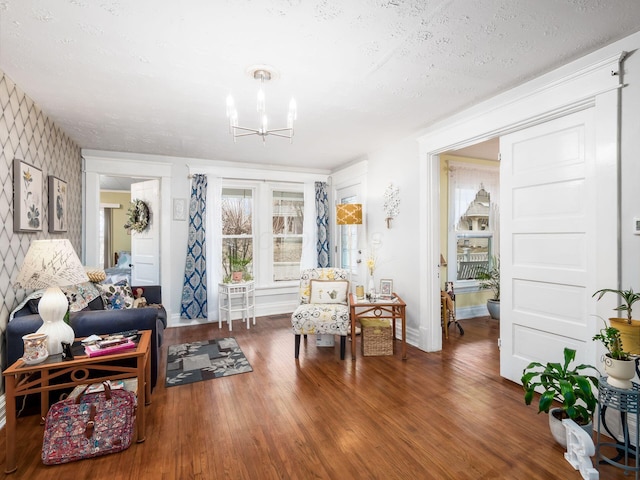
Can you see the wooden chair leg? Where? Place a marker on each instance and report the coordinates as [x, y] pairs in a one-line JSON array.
[[297, 346], [343, 346]]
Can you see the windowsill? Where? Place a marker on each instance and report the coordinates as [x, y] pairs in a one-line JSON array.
[[278, 289], [466, 286]]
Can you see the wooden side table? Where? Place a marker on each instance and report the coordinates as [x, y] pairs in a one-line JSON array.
[[22, 379], [245, 295], [394, 309]]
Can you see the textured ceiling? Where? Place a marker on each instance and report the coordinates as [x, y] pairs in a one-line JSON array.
[[151, 76]]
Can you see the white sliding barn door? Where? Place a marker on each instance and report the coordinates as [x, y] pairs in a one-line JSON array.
[[548, 241]]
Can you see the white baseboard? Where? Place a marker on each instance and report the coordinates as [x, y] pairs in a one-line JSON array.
[[471, 312], [261, 311]]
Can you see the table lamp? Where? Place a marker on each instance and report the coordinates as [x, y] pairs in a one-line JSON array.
[[51, 264]]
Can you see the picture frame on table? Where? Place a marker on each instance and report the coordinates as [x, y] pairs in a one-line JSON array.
[[58, 209], [27, 197], [386, 288]]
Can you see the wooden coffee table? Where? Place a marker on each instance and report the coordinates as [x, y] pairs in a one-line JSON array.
[[22, 379]]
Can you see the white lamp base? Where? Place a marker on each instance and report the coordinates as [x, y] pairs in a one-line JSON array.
[[52, 308]]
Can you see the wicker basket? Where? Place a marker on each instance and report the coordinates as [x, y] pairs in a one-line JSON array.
[[376, 337]]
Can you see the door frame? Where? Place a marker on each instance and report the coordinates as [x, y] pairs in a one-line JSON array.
[[97, 163], [590, 82]]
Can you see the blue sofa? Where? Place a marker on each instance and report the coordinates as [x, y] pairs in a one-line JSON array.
[[95, 319]]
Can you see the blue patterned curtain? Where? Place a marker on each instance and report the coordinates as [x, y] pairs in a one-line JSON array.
[[194, 291], [322, 222]]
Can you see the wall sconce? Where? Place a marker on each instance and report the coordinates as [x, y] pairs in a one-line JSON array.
[[391, 203]]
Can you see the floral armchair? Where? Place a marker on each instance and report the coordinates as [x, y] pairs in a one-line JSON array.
[[324, 306]]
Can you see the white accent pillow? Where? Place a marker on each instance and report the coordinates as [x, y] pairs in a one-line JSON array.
[[329, 291]]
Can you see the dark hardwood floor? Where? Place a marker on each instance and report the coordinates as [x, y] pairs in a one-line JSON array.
[[445, 415]]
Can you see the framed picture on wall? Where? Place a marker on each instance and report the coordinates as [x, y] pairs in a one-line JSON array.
[[386, 288], [27, 197], [57, 205]]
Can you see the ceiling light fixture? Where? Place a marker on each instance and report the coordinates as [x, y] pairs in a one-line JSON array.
[[264, 75]]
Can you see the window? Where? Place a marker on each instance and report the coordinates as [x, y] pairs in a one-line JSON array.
[[262, 230], [237, 232], [287, 221], [473, 220]]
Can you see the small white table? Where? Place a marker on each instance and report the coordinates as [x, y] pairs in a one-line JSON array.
[[245, 301]]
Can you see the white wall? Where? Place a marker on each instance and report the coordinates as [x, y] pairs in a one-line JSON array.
[[398, 252], [630, 167]]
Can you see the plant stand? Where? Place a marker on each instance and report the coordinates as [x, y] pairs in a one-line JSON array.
[[245, 302], [626, 402]]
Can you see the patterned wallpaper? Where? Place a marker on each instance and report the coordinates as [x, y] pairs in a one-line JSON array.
[[27, 133]]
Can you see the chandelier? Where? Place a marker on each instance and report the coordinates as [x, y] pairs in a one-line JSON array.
[[264, 75]]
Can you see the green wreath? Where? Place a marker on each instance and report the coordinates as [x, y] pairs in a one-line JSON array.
[[137, 216]]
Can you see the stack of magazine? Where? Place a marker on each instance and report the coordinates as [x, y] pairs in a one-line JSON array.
[[107, 347]]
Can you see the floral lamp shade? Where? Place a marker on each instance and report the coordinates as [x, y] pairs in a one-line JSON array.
[[349, 214]]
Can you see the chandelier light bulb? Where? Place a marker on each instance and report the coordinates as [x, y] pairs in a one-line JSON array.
[[261, 101], [293, 109], [230, 105]]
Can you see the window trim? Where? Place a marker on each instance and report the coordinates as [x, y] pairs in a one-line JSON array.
[[262, 226]]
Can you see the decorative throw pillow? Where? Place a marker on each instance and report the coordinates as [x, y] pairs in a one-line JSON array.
[[116, 296], [329, 291], [80, 295], [95, 275]]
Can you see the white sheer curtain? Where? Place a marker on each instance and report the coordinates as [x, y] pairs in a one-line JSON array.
[[465, 180], [309, 258], [214, 245]]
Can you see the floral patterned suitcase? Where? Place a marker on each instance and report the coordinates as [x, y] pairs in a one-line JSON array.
[[90, 425]]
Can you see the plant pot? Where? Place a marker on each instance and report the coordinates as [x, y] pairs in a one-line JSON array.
[[558, 430], [494, 309], [620, 372], [629, 333], [236, 277]]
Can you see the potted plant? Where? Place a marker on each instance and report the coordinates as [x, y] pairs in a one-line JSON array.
[[617, 363], [237, 259], [628, 327], [567, 384], [489, 278]]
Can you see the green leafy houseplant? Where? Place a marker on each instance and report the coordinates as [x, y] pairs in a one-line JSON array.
[[629, 297], [564, 382], [610, 337], [489, 277]]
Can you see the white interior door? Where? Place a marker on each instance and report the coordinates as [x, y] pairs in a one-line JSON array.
[[145, 246], [549, 217]]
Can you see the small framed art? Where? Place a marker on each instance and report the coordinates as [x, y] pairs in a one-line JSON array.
[[57, 205], [27, 197], [180, 209], [386, 288]]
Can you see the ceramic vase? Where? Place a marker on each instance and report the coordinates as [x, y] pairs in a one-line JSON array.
[[558, 430], [620, 372], [35, 348], [371, 289]]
